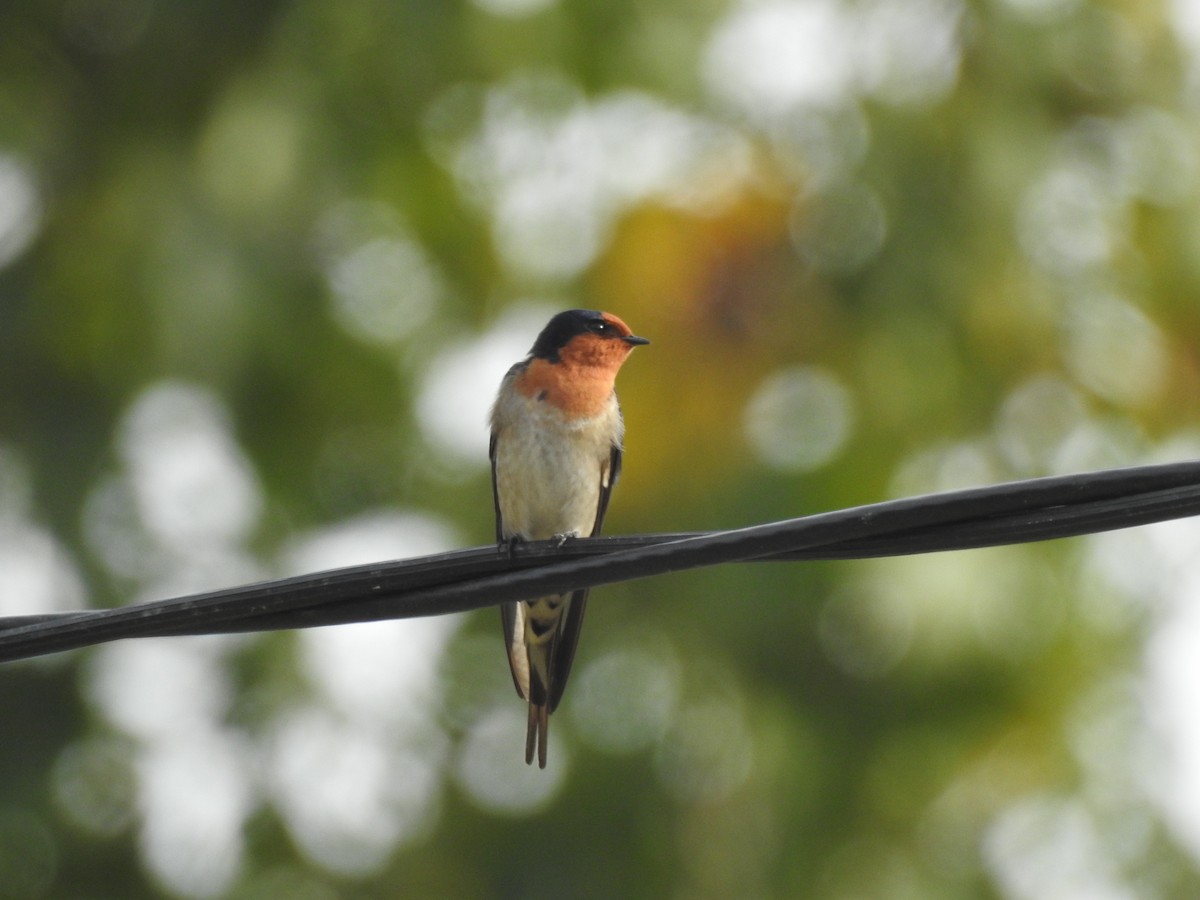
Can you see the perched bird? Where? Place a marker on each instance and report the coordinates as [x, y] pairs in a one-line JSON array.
[[556, 453]]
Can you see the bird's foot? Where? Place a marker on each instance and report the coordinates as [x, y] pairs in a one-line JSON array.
[[508, 546], [559, 539]]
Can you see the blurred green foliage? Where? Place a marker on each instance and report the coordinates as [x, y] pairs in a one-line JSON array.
[[261, 266]]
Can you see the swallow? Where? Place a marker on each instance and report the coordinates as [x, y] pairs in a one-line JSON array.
[[556, 433]]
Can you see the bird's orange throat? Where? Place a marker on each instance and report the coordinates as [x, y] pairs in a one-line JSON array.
[[580, 391]]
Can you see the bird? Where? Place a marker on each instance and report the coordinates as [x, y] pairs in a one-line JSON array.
[[555, 449]]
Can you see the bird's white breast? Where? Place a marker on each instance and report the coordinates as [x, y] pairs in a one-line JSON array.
[[549, 469]]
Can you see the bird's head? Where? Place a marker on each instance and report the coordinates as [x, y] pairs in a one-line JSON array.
[[586, 337]]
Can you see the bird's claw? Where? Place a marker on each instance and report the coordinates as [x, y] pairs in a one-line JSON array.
[[559, 539]]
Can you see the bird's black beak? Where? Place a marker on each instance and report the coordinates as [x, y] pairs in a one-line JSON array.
[[635, 340]]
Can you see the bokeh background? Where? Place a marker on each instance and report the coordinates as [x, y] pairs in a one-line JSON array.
[[261, 268]]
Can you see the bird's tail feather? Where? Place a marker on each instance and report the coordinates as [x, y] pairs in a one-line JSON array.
[[542, 635], [538, 734]]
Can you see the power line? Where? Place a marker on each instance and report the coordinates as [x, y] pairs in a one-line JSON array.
[[1014, 512]]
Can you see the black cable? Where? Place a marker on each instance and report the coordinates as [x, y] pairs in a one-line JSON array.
[[1015, 512]]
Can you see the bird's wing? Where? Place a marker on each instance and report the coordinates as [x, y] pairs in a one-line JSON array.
[[608, 477], [512, 617], [572, 616], [495, 490]]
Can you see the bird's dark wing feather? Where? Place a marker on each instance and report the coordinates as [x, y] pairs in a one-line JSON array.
[[564, 645], [495, 491], [607, 480], [508, 611], [572, 620]]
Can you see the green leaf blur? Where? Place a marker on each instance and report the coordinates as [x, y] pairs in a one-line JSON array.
[[261, 268]]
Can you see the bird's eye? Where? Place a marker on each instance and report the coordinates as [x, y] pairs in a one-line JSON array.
[[599, 326]]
